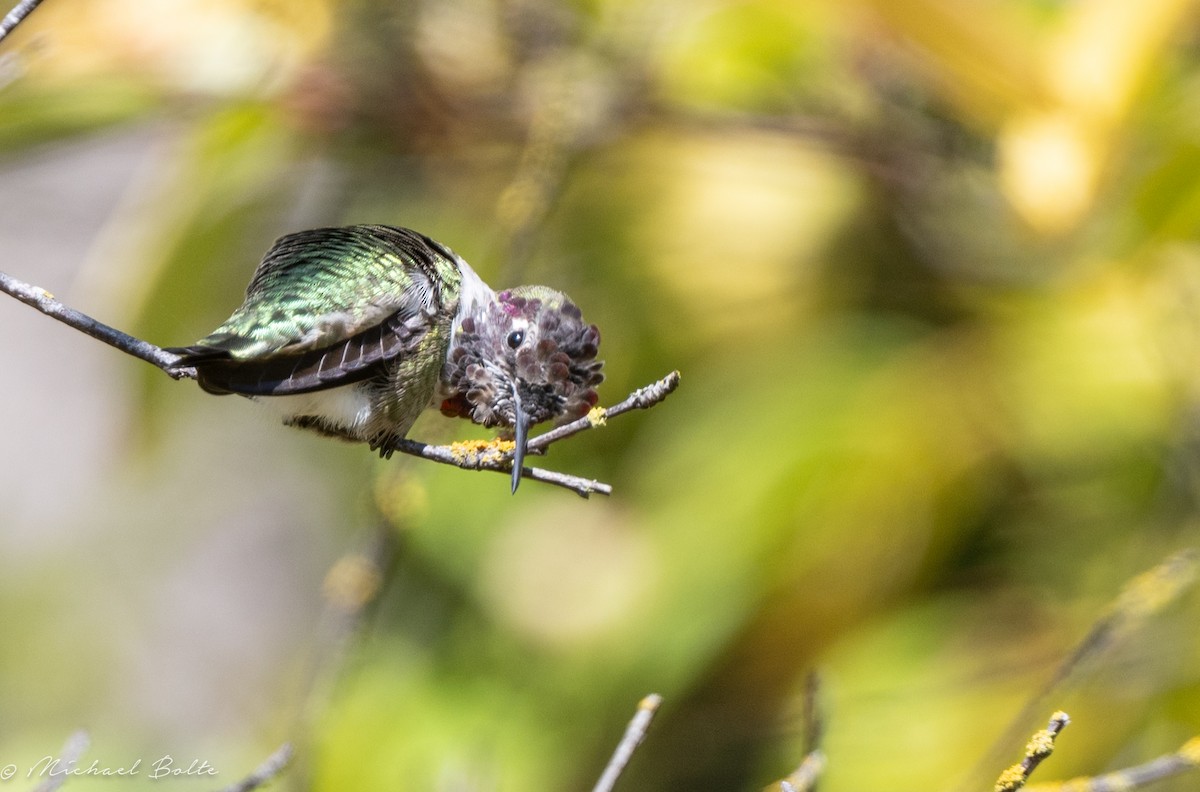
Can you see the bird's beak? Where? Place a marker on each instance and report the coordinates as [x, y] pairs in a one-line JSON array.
[[520, 437]]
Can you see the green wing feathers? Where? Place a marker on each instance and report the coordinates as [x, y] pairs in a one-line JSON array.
[[327, 307]]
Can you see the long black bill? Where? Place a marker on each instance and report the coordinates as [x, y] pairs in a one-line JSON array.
[[520, 437]]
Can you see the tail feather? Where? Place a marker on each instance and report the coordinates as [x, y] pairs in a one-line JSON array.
[[353, 360], [198, 354]]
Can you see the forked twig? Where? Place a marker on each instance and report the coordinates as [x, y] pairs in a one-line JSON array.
[[468, 456], [640, 399]]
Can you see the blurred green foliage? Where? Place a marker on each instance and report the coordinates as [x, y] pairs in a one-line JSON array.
[[930, 274]]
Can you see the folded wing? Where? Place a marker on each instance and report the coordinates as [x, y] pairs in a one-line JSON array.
[[328, 307]]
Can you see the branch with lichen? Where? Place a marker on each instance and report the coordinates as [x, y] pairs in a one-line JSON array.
[[1040, 746], [494, 455], [497, 454], [1139, 600], [1187, 758], [1037, 750]]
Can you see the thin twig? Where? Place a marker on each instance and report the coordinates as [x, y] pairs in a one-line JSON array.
[[814, 721], [271, 767], [17, 16], [72, 750], [640, 399], [466, 456], [1040, 746], [634, 734], [1185, 759], [490, 456], [44, 301], [804, 778]]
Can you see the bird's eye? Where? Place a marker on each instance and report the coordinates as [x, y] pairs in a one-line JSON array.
[[515, 338]]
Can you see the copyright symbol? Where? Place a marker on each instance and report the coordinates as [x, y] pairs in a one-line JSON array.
[[7, 772]]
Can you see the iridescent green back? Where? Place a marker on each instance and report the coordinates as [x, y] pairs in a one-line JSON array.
[[327, 307]]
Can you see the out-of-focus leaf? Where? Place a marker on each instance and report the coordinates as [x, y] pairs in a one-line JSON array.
[[750, 56], [34, 115], [980, 52]]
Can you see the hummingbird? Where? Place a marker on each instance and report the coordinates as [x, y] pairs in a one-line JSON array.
[[353, 332]]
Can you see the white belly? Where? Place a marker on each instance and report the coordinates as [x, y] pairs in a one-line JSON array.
[[347, 408]]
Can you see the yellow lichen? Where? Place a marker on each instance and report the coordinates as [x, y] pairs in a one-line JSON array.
[[597, 416], [1191, 750], [1040, 744], [651, 702], [471, 450], [1011, 779]]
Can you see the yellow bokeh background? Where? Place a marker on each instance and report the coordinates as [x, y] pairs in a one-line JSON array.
[[929, 271]]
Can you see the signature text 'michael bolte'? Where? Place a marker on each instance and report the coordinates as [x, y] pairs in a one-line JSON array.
[[164, 767]]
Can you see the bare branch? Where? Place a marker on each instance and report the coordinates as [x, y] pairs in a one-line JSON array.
[[469, 456], [271, 767], [17, 16], [634, 734], [44, 301], [1040, 746], [814, 719], [805, 777]]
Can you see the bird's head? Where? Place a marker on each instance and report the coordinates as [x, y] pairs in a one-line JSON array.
[[527, 358]]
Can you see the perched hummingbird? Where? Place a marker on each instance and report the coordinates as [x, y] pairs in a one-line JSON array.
[[354, 331]]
